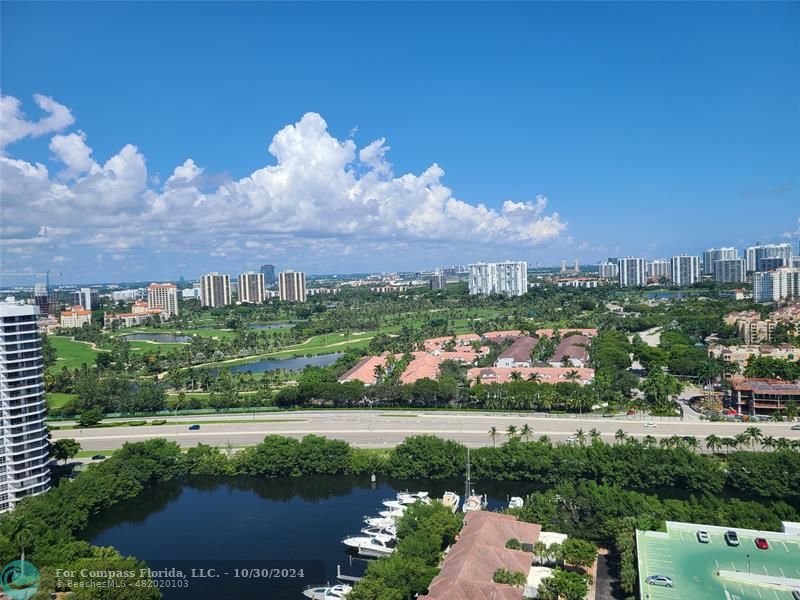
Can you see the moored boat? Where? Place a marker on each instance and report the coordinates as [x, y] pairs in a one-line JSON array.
[[333, 592]]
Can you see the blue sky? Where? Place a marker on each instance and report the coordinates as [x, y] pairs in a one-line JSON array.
[[584, 130]]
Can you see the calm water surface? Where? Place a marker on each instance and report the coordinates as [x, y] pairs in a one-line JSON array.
[[289, 364], [239, 519]]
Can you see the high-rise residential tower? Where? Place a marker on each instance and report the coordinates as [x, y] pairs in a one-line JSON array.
[[730, 270], [754, 254], [685, 269], [509, 278], [251, 287], [163, 296], [779, 284], [608, 270], [632, 271], [292, 286], [661, 267], [215, 290], [24, 451], [712, 255]]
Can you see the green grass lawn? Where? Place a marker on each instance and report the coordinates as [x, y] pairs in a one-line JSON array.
[[70, 353], [219, 333], [141, 346], [59, 399]]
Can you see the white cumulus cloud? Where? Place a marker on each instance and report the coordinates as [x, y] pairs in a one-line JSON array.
[[14, 126], [319, 188]]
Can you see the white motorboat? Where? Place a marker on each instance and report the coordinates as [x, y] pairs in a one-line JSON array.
[[382, 522], [334, 592], [372, 530], [411, 497], [451, 500], [392, 514], [394, 504], [515, 502], [375, 546], [474, 502]]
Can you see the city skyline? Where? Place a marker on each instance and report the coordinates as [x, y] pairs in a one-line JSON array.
[[114, 186]]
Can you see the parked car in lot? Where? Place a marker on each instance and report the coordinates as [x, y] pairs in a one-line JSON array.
[[762, 544], [796, 595], [194, 427], [731, 538], [703, 537], [661, 580]]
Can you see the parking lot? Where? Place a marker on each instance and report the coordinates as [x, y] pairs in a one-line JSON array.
[[693, 566]]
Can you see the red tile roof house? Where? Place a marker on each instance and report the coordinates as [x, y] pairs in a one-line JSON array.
[[480, 550], [364, 369], [574, 348], [517, 354]]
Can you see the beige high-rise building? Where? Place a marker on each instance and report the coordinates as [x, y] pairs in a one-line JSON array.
[[163, 296], [215, 290], [292, 286], [251, 287]]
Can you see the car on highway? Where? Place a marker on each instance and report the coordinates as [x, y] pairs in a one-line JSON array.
[[731, 538], [762, 544], [796, 427], [572, 439], [194, 427], [661, 580], [99, 457], [650, 424], [703, 537]]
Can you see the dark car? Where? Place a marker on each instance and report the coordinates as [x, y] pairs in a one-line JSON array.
[[762, 544], [731, 538], [99, 457], [796, 427], [194, 427]]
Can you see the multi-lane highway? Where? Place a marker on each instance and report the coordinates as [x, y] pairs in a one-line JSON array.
[[376, 429]]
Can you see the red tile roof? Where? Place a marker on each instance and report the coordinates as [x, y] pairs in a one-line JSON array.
[[480, 550]]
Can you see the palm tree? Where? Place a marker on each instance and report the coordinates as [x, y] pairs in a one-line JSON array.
[[713, 442], [21, 533], [515, 376], [526, 432], [768, 442], [594, 435], [742, 439], [540, 552], [620, 435], [535, 377], [572, 376], [754, 435], [580, 435], [511, 431], [692, 443], [379, 371], [782, 444], [493, 433], [648, 441]]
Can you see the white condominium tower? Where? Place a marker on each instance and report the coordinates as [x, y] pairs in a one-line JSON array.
[[712, 255], [632, 271], [215, 290], [754, 254], [608, 270], [292, 286], [24, 460], [251, 287], [685, 269], [659, 268], [779, 284], [730, 271], [163, 296], [509, 278]]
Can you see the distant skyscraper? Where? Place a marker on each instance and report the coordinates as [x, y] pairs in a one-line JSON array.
[[24, 452], [269, 274], [755, 253], [87, 298], [609, 270], [509, 278], [215, 290], [659, 268], [41, 298], [292, 286], [632, 271], [438, 281], [685, 269], [772, 262], [730, 271], [163, 296], [251, 287], [780, 284], [712, 255]]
